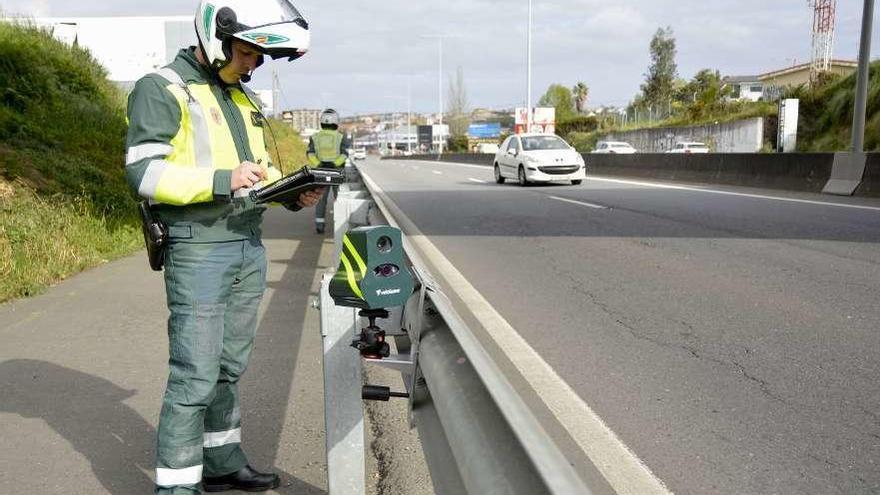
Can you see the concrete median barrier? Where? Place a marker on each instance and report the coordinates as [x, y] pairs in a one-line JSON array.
[[870, 185]]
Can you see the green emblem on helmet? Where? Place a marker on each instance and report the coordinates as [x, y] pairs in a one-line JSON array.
[[266, 38], [209, 16]]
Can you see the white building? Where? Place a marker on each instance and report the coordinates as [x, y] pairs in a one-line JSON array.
[[745, 88], [304, 120]]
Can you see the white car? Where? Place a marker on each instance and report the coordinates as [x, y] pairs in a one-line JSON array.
[[359, 154], [613, 147], [689, 147], [531, 158]]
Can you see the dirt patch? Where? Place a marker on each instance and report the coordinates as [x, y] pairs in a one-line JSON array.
[[6, 189]]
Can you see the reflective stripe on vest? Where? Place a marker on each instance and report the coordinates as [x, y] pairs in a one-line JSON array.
[[201, 134], [327, 145]]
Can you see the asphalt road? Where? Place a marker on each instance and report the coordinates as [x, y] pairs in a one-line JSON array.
[[729, 337]]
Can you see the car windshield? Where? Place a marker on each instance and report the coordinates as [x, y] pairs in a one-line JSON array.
[[534, 143]]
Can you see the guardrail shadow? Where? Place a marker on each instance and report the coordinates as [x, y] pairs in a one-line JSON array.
[[267, 383]]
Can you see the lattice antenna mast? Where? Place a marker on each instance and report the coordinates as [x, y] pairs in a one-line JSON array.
[[824, 20]]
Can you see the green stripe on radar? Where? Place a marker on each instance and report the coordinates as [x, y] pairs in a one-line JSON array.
[[349, 274], [357, 257]]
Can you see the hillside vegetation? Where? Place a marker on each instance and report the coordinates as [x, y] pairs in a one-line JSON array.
[[826, 114], [64, 204]]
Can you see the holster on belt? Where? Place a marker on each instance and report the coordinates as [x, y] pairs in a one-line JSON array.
[[155, 236]]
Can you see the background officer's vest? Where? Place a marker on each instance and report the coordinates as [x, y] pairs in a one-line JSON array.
[[327, 144]]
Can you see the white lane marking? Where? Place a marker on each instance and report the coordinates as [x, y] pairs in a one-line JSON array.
[[481, 167], [623, 470], [730, 193], [478, 181], [582, 203], [416, 167], [437, 172]]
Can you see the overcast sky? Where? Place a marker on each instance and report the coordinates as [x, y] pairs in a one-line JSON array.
[[364, 52]]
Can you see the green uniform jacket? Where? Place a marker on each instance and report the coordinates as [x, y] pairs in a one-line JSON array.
[[195, 200]]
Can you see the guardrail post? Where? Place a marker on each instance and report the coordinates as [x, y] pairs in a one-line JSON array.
[[343, 409], [343, 406]]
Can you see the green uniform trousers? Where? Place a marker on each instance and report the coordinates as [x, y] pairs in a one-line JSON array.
[[214, 292], [321, 207]]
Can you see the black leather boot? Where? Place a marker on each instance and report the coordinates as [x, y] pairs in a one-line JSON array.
[[245, 479]]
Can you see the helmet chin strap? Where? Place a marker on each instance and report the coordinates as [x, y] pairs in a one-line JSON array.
[[246, 78]]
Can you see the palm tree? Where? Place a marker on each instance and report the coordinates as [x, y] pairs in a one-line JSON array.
[[581, 93]]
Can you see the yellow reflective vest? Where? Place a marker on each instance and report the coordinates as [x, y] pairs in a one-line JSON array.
[[326, 147]]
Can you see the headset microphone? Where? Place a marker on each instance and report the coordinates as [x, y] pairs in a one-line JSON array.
[[246, 78]]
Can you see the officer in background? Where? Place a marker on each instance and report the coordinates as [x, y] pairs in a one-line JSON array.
[[195, 149], [329, 149]]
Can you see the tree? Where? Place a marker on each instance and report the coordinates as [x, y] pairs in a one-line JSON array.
[[662, 72], [581, 92], [459, 119], [560, 98]]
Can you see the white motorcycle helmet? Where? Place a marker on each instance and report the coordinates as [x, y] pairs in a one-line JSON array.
[[274, 27], [329, 119]]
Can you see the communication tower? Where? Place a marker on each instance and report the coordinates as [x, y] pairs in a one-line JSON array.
[[824, 14]]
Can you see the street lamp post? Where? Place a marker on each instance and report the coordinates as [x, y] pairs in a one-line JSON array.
[[440, 97], [409, 114], [440, 38], [858, 129], [848, 169], [529, 72]]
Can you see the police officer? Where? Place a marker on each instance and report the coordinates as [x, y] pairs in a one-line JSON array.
[[329, 149], [195, 149]]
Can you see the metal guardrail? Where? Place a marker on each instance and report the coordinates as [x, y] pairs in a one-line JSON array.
[[477, 433]]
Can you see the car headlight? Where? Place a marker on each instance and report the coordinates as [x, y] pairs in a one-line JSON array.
[[579, 159]]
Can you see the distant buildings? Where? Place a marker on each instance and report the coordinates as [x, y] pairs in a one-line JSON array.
[[305, 121], [769, 86]]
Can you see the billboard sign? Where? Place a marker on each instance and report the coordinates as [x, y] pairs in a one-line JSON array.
[[426, 137], [484, 130], [543, 120]]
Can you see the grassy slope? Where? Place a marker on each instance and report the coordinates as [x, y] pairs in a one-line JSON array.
[[289, 146], [826, 115]]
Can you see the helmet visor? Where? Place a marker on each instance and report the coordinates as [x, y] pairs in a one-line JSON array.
[[278, 30], [271, 12]]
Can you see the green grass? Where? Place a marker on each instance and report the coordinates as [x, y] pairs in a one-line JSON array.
[[64, 202], [46, 239]]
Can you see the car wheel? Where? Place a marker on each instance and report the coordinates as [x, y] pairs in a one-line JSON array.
[[498, 177], [576, 182], [522, 177]]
